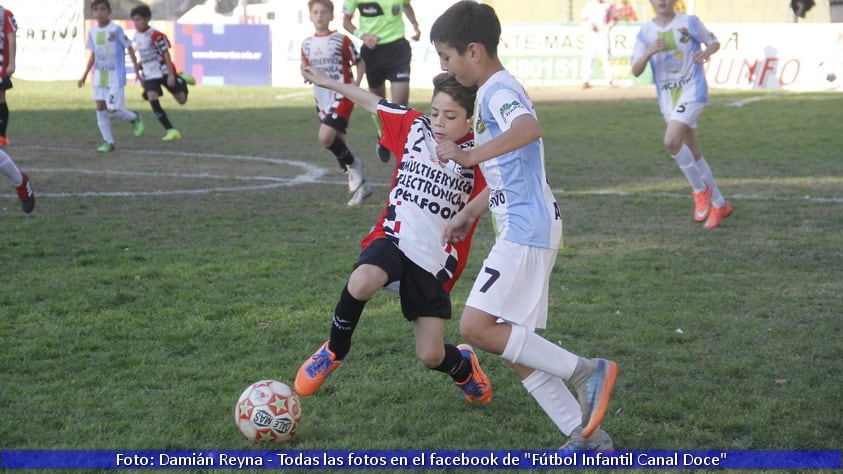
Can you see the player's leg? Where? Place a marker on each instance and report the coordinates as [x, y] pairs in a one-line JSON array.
[[719, 207], [378, 264], [513, 288], [103, 119], [180, 90], [19, 180], [680, 141], [332, 136], [5, 83], [400, 91]]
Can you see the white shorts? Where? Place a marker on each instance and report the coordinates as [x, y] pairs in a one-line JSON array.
[[112, 96], [513, 284], [686, 112]]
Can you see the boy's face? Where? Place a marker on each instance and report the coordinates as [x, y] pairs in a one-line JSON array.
[[321, 17], [459, 66], [449, 120], [141, 23], [101, 13], [663, 6]]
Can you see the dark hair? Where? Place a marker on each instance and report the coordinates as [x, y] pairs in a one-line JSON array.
[[468, 22], [141, 10], [327, 3], [462, 95], [94, 3]]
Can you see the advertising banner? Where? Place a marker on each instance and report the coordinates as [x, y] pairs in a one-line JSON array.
[[227, 54]]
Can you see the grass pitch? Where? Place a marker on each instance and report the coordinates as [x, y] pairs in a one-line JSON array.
[[152, 285]]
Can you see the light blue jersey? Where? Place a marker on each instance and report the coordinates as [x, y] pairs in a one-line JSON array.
[[678, 78], [522, 204], [109, 45]]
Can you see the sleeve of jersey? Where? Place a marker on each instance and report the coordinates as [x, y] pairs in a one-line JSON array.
[[161, 42], [9, 25], [706, 37], [395, 125], [505, 106]]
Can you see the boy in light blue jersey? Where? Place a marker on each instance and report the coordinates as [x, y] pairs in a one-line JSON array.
[[108, 46], [671, 44], [509, 299]]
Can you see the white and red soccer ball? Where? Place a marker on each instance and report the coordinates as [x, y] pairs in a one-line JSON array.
[[268, 411]]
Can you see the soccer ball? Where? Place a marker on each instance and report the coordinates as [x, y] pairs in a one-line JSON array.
[[268, 411]]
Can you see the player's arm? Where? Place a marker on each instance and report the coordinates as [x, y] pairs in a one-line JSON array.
[[133, 57], [12, 41], [411, 15], [88, 67], [168, 60], [712, 45], [361, 97], [524, 130], [458, 227], [368, 39], [639, 64], [359, 72]]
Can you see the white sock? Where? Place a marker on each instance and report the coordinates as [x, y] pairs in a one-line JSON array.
[[104, 123], [705, 172], [531, 350], [556, 400], [10, 169], [685, 160], [124, 114]]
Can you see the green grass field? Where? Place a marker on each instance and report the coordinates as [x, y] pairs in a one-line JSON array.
[[152, 285]]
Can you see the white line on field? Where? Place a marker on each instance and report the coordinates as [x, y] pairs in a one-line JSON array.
[[311, 174]]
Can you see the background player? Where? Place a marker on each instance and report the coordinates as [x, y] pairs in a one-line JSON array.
[[334, 53], [8, 58], [108, 45], [670, 43], [157, 69], [385, 50]]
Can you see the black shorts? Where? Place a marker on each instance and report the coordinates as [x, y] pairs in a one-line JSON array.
[[421, 294], [387, 62], [157, 85], [5, 83]]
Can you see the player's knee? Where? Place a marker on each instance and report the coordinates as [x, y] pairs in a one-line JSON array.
[[429, 356]]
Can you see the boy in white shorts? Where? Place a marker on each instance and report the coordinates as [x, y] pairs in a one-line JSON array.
[[670, 43], [108, 45], [509, 299]]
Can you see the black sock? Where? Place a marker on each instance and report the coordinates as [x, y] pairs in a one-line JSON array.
[[4, 118], [342, 153], [455, 364], [160, 114], [346, 315]]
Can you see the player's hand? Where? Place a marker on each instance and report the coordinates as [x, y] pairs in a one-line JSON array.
[[417, 35], [657, 46], [370, 41], [81, 82], [450, 151], [456, 229], [315, 76], [699, 57]]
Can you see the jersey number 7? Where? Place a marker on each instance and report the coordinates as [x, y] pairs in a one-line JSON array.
[[493, 277]]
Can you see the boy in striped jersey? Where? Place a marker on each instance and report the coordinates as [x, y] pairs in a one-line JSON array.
[[157, 69], [334, 53]]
